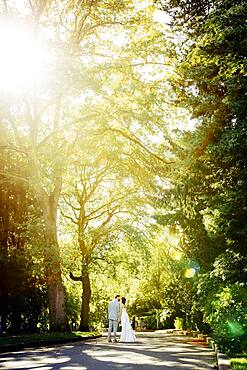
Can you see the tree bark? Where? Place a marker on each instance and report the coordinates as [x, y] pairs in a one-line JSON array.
[[86, 296], [56, 292]]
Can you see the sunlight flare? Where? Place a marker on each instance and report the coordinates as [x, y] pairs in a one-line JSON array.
[[176, 255], [22, 57]]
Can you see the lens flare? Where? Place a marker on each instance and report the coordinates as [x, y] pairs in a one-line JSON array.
[[189, 273], [235, 328]]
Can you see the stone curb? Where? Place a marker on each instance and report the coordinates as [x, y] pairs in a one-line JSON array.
[[223, 363], [45, 343], [222, 360]]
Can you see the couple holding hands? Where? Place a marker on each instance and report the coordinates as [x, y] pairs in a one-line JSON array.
[[117, 311]]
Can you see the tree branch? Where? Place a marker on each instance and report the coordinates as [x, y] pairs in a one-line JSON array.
[[132, 137], [75, 278], [14, 176], [69, 218], [16, 149]]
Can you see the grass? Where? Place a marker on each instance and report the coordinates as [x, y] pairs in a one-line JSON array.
[[239, 363], [44, 337]]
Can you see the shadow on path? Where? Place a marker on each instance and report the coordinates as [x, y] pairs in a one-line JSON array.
[[151, 351]]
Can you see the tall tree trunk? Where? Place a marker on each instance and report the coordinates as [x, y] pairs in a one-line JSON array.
[[48, 203], [4, 230], [56, 291], [86, 296]]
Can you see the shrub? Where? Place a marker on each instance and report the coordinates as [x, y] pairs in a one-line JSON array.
[[238, 363], [222, 296], [179, 323]]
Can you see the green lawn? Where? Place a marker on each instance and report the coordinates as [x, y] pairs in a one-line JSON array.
[[34, 338], [239, 363]]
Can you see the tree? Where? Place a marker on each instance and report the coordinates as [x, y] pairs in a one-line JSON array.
[[40, 120], [215, 67], [23, 300], [103, 194], [113, 145], [208, 189]]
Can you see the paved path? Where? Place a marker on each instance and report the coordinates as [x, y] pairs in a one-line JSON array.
[[151, 351]]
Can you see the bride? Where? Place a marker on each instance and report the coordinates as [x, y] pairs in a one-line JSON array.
[[127, 333]]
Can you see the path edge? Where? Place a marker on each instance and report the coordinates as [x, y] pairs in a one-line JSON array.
[[45, 343], [222, 360]]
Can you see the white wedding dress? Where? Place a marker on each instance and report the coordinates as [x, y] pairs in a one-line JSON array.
[[127, 333]]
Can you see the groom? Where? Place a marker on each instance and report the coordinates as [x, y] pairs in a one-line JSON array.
[[113, 316]]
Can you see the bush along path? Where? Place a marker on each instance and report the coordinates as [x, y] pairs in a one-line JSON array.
[[13, 343]]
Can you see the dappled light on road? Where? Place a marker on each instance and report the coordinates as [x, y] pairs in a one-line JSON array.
[[151, 351], [32, 361]]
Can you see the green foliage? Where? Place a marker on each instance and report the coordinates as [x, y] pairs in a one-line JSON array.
[[102, 125], [187, 14], [224, 305], [207, 196], [238, 363], [97, 109], [179, 323], [149, 322], [23, 296], [73, 301]]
